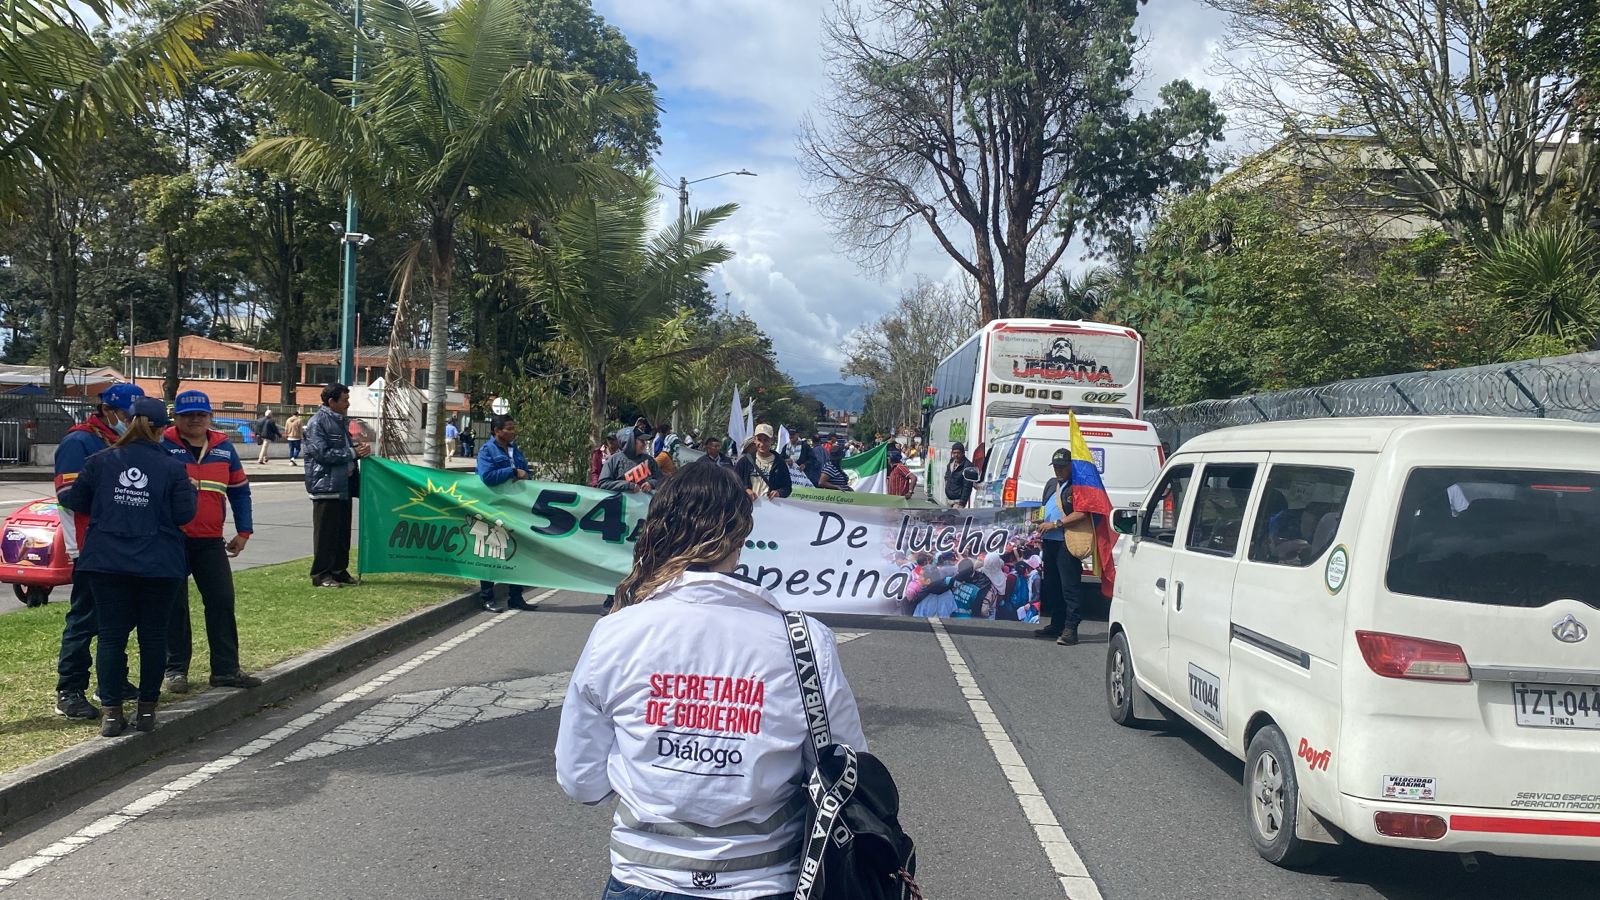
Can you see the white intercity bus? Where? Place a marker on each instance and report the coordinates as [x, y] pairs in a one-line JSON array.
[[1016, 374]]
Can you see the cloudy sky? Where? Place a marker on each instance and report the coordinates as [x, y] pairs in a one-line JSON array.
[[735, 78]]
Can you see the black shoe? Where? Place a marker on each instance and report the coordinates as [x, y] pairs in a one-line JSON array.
[[74, 705], [1047, 632], [520, 604], [1068, 638], [488, 606], [236, 680], [177, 683], [344, 577]]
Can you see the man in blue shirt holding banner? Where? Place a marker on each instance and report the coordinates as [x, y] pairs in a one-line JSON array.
[[500, 461]]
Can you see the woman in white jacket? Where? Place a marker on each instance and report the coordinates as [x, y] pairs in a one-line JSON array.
[[686, 706]]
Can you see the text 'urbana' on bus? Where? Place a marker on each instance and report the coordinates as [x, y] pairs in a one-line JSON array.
[[1004, 394]]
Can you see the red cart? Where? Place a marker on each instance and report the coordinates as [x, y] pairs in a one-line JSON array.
[[33, 557]]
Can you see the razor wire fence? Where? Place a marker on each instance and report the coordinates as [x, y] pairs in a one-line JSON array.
[[1556, 387]]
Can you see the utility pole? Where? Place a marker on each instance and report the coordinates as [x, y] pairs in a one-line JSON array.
[[683, 206], [347, 307]]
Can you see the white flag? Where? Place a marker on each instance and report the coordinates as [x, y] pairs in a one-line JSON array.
[[749, 424], [736, 423], [783, 439]]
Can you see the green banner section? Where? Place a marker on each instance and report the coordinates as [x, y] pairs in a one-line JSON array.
[[416, 519]]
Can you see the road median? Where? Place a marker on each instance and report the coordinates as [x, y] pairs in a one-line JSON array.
[[291, 635]]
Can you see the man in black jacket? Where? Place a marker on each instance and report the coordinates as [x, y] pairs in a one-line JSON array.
[[957, 489], [330, 463]]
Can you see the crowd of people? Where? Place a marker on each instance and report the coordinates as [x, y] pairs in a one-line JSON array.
[[766, 464]]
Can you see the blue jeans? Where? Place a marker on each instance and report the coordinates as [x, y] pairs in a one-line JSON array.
[[616, 890], [294, 448]]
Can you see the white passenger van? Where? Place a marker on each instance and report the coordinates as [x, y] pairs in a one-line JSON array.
[[1395, 622], [1127, 454]]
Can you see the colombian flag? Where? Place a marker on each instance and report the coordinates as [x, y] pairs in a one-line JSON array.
[[1089, 495]]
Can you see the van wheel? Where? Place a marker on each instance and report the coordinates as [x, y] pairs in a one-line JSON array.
[[1272, 798], [31, 595], [1119, 681]]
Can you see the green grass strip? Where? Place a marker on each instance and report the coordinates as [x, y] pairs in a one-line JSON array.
[[280, 615]]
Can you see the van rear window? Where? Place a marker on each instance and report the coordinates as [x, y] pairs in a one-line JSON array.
[[1498, 537]]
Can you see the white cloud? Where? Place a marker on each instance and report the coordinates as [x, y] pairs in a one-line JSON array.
[[735, 79]]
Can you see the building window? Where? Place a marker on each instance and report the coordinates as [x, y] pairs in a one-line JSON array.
[[272, 373], [419, 377], [320, 374]]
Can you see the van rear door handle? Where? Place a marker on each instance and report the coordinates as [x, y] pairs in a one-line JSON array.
[[1179, 586]]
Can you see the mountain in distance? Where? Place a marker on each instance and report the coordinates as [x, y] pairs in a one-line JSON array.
[[837, 395]]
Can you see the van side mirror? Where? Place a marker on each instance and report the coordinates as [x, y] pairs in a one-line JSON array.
[[1125, 521], [971, 474]]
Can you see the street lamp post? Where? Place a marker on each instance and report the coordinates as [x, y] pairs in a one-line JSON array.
[[347, 306], [683, 200]]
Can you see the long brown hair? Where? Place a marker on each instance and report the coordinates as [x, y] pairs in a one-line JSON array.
[[699, 518]]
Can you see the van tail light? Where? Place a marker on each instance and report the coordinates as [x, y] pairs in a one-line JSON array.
[[1410, 825], [1397, 656], [1008, 493]]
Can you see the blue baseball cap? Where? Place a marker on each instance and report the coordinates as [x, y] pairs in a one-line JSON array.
[[152, 409], [191, 402], [121, 395]]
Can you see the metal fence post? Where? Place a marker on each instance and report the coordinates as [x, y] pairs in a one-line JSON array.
[[1537, 406]]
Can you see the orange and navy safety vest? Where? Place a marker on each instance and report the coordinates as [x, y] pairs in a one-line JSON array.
[[220, 475]]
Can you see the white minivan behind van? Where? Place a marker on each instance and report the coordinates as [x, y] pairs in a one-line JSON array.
[[1394, 622], [1127, 453]]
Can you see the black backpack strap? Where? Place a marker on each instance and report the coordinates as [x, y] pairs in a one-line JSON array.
[[829, 800]]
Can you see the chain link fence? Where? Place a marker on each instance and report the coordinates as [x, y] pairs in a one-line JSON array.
[[1557, 387]]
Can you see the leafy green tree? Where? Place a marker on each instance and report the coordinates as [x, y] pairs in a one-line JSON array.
[[604, 279], [1482, 133], [455, 123], [60, 91], [1003, 126], [1233, 295]]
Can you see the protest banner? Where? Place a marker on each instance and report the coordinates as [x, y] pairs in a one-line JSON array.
[[813, 555]]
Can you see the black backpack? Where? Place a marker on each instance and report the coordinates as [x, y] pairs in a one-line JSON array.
[[855, 848]]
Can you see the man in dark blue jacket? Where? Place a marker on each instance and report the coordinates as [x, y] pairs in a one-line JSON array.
[[330, 458], [499, 461], [99, 431]]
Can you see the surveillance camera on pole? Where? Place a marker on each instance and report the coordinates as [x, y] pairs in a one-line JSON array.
[[357, 238]]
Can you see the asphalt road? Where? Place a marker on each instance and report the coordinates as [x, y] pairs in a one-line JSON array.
[[282, 527], [436, 780]]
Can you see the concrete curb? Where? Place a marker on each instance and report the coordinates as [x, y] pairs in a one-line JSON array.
[[40, 785]]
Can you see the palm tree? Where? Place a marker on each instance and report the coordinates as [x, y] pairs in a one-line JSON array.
[[605, 280], [59, 92], [1548, 276], [456, 123]]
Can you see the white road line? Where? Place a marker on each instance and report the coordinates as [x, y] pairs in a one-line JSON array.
[[1075, 880], [159, 797]]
